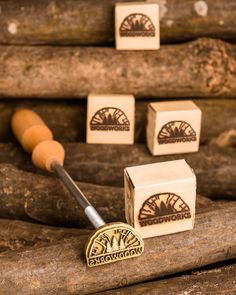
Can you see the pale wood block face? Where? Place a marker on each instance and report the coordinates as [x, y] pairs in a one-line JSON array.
[[137, 26], [163, 202], [110, 119], [173, 127]]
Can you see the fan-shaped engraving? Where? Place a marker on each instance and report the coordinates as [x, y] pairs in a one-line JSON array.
[[176, 131], [137, 25], [110, 119], [112, 242], [164, 207]]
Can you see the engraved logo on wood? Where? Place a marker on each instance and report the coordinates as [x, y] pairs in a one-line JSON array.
[[112, 242], [176, 131], [137, 25], [110, 119], [161, 208]]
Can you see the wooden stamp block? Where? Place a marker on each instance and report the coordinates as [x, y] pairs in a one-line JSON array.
[[110, 118], [160, 198], [173, 127], [137, 26]]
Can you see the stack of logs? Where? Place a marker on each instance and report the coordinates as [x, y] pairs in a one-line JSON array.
[[44, 67]]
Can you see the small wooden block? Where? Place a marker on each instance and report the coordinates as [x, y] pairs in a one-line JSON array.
[[110, 118], [173, 127], [137, 26], [160, 198]]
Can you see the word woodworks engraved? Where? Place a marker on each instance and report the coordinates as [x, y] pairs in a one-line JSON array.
[[137, 25], [161, 208], [110, 119], [176, 131]]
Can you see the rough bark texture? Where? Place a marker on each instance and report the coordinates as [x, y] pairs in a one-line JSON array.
[[218, 281], [92, 22], [15, 234], [67, 120], [225, 139], [61, 268], [214, 167], [202, 68], [45, 199]]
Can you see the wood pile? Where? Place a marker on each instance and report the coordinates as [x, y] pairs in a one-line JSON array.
[[52, 54]]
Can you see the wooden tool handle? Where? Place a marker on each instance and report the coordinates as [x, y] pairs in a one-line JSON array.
[[46, 152], [36, 137], [29, 129]]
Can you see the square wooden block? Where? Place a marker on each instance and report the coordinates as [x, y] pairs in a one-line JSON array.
[[137, 26], [173, 127], [160, 198], [110, 118]]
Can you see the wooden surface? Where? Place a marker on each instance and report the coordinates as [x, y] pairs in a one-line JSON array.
[[41, 259], [202, 68], [110, 119], [16, 234], [92, 22], [61, 268], [218, 116], [160, 202], [28, 196], [219, 280], [173, 127], [29, 129], [214, 167], [137, 26]]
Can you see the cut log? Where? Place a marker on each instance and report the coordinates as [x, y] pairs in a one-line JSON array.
[[225, 139], [218, 281], [218, 116], [92, 22], [202, 68], [214, 167], [61, 268], [28, 196], [15, 234]]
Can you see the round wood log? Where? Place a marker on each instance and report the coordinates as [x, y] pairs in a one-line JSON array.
[[28, 196], [225, 139], [214, 167], [202, 68], [61, 268], [201, 283], [218, 116], [92, 22], [15, 234]]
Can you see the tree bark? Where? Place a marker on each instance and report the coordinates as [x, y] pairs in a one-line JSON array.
[[27, 196], [201, 283], [202, 68], [218, 116], [61, 268], [225, 139], [15, 234], [92, 22], [214, 167]]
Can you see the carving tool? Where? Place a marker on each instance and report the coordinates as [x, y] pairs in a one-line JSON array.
[[109, 242]]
